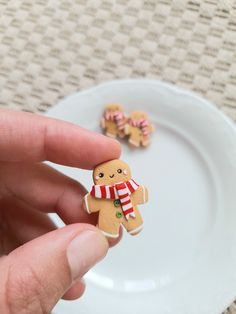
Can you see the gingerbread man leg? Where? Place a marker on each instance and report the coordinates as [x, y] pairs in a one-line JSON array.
[[134, 225], [111, 129], [121, 134], [109, 227], [111, 134], [145, 140], [134, 140]]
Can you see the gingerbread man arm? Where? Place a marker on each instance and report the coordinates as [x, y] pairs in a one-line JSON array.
[[103, 123], [151, 128], [140, 196], [91, 204], [127, 129]]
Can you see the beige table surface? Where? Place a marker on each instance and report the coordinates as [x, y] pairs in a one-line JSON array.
[[51, 48]]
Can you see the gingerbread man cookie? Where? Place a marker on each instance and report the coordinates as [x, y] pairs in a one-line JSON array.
[[139, 129], [115, 195], [113, 121]]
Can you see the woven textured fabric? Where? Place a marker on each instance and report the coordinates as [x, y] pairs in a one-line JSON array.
[[51, 48]]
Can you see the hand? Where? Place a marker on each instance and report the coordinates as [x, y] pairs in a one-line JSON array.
[[39, 264]]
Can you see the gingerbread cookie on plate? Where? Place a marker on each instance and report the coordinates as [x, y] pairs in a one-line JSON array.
[[113, 121], [139, 129], [115, 195]]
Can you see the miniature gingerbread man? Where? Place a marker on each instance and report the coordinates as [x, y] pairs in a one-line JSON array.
[[139, 129], [113, 121], [116, 196]]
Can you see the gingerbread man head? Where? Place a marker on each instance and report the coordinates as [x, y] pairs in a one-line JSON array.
[[111, 172], [138, 115], [114, 108], [115, 196]]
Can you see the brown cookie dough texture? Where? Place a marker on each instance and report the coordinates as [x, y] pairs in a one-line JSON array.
[[111, 201], [139, 129], [114, 120]]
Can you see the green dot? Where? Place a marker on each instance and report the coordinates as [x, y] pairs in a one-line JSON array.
[[116, 203], [118, 214]]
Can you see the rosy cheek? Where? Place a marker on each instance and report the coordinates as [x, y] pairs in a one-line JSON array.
[[96, 178], [125, 172]]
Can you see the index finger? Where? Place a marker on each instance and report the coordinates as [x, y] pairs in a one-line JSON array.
[[30, 137]]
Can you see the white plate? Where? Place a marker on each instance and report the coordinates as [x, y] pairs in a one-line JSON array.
[[184, 261]]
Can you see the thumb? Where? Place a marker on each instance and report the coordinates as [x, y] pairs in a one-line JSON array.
[[36, 275]]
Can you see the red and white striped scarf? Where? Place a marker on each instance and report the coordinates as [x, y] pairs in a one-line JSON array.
[[142, 124], [116, 116], [121, 191]]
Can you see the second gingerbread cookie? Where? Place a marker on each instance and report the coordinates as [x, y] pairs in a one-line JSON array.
[[139, 129], [113, 121], [115, 195]]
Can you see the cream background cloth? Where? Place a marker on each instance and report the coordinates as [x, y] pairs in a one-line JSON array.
[[51, 48]]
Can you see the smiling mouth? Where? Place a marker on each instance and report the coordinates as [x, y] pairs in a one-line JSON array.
[[111, 176]]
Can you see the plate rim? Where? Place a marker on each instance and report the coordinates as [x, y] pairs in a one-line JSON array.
[[172, 89]]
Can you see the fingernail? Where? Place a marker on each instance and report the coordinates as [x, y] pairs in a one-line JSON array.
[[84, 251]]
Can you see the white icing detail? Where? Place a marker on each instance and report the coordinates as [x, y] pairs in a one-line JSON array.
[[144, 193], [86, 203], [136, 229], [125, 171], [110, 235], [110, 135], [134, 143]]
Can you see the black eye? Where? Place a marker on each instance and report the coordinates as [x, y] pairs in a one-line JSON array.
[[101, 174], [119, 170]]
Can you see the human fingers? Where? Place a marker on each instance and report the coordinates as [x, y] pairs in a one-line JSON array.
[[46, 189], [36, 275], [75, 291], [30, 137], [22, 223]]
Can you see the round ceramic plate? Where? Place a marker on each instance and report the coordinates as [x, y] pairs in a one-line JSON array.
[[184, 260]]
